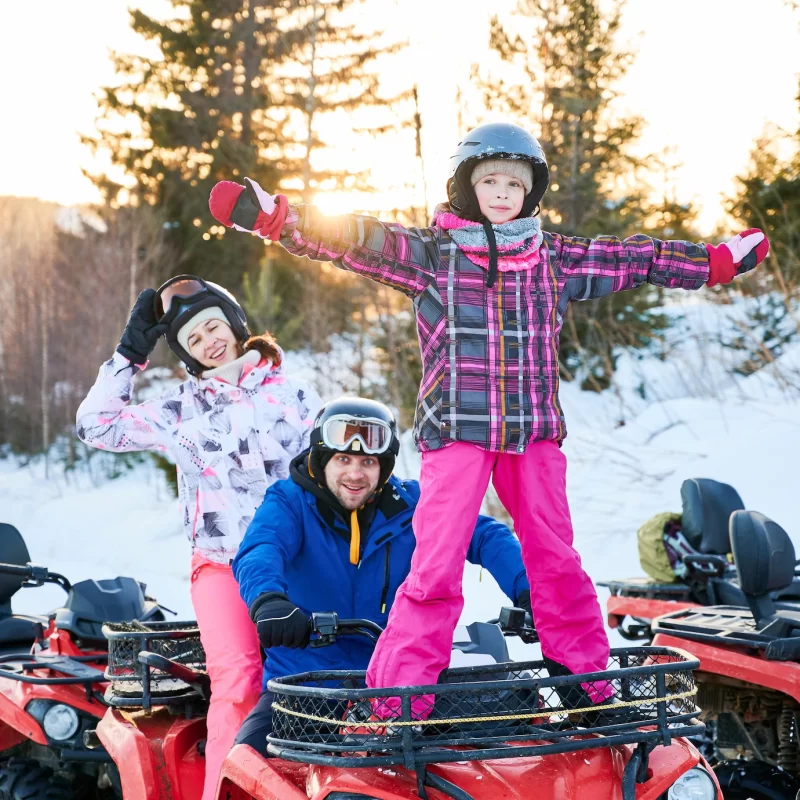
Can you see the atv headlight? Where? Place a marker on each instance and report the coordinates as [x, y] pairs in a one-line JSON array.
[[696, 784], [60, 722]]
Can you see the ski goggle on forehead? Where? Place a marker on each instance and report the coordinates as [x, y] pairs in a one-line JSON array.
[[181, 288], [372, 436]]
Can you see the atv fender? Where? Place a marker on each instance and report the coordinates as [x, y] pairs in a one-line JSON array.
[[156, 754], [14, 696]]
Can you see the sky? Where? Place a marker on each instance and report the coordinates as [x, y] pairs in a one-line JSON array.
[[708, 77]]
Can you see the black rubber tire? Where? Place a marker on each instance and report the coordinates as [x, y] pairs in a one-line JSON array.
[[27, 780]]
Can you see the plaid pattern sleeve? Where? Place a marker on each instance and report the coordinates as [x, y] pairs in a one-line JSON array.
[[401, 258], [596, 267]]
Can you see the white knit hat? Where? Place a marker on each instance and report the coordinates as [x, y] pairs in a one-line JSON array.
[[215, 312], [515, 167]]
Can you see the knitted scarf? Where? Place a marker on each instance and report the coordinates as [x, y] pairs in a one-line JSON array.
[[515, 247]]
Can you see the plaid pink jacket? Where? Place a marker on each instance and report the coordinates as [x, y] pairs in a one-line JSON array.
[[489, 356]]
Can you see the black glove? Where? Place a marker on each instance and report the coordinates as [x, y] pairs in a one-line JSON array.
[[143, 329], [524, 601], [280, 622]]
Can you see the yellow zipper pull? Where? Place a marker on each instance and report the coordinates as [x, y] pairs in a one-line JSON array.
[[355, 538]]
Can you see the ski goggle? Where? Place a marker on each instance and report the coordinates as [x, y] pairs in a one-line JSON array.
[[177, 293], [372, 436]]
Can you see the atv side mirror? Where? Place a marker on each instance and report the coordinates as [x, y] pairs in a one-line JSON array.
[[764, 558]]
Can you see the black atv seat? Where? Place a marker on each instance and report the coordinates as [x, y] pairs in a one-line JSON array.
[[707, 508], [12, 551]]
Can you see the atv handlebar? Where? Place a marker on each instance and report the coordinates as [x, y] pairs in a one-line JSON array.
[[35, 576], [327, 626]]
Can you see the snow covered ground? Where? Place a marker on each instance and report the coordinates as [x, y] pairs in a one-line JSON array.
[[685, 415]]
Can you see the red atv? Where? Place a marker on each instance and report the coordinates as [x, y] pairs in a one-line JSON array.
[[51, 679], [749, 678], [699, 551], [497, 729]]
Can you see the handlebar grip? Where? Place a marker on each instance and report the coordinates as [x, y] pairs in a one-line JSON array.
[[16, 569]]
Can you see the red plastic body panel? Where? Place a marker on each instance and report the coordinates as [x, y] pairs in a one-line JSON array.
[[595, 774], [641, 607], [156, 754], [734, 662], [15, 695]]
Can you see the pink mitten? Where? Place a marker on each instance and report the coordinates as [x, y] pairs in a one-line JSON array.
[[735, 257], [248, 208]]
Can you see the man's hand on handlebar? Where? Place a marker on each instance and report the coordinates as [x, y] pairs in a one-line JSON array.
[[280, 623]]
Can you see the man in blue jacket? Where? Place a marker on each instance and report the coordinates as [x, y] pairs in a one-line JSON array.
[[336, 536]]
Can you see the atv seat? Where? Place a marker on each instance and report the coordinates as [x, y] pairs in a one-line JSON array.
[[765, 561], [13, 550], [707, 509]]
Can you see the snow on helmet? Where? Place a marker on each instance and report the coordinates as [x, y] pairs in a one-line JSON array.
[[494, 140], [183, 297], [354, 425]]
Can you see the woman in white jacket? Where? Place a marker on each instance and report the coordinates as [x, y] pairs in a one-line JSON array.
[[232, 428]]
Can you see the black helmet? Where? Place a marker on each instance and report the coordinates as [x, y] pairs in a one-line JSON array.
[[495, 140], [183, 296], [354, 425]]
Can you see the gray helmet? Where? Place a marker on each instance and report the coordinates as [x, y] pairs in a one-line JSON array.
[[495, 140]]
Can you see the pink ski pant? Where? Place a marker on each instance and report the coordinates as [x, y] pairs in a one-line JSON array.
[[416, 645], [233, 659]]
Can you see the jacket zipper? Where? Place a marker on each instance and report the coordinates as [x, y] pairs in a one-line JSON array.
[[385, 591]]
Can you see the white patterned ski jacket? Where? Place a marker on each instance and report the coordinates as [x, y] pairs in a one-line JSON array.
[[230, 443]]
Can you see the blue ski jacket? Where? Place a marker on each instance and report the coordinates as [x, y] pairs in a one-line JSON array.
[[290, 547]]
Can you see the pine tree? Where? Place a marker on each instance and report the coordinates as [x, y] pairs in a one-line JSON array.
[[557, 74], [768, 197], [237, 89]]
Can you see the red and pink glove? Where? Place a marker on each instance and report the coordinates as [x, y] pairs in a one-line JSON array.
[[248, 208], [735, 257]]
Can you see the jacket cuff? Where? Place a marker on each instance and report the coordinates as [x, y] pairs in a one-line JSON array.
[[134, 358], [721, 268]]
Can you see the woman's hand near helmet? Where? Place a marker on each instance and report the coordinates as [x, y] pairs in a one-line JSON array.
[[142, 331], [248, 208]]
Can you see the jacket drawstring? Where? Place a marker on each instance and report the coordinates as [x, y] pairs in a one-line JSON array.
[[492, 276], [386, 575], [355, 537]]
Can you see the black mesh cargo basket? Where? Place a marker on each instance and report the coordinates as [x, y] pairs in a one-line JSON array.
[[132, 684], [500, 711]]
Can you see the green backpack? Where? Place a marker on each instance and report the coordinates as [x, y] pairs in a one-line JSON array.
[[652, 552]]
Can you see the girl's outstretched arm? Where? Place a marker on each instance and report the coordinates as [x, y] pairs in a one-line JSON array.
[[597, 267], [402, 258]]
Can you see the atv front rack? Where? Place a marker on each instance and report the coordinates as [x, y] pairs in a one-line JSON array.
[[486, 712], [133, 684]]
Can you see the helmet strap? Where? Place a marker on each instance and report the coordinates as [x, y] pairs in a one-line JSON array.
[[492, 276]]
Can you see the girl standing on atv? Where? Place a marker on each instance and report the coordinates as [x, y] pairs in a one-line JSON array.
[[490, 291], [232, 429]]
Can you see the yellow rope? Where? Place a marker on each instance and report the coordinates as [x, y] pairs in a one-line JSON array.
[[126, 715], [499, 718]]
